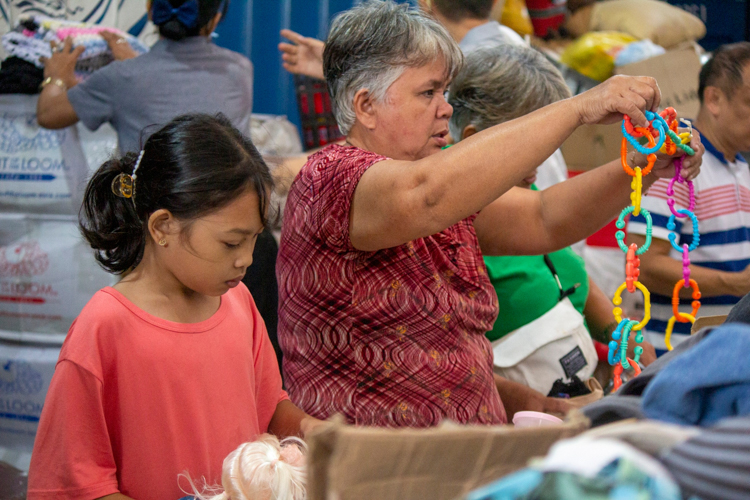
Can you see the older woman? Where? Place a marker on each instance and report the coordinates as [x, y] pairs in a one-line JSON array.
[[497, 85], [384, 298]]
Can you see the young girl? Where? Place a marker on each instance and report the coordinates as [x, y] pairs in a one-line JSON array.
[[171, 369]]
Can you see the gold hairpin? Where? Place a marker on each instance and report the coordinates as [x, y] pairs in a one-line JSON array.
[[123, 185]]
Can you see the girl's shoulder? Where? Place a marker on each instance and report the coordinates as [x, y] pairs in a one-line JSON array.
[[102, 317]]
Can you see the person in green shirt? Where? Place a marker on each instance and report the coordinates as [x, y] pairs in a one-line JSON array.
[[497, 85]]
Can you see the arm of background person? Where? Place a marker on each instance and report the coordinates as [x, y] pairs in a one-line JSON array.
[[286, 170], [304, 56], [660, 273], [518, 397], [601, 323], [288, 420], [53, 109], [398, 201]]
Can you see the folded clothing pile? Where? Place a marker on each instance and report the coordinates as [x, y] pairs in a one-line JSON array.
[[31, 36], [19, 77]]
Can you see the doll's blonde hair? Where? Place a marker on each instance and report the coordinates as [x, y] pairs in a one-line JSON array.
[[264, 469]]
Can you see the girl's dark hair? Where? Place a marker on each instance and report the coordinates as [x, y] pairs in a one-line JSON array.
[[194, 165], [174, 29]]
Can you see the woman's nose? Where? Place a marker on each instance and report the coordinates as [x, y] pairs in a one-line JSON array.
[[445, 110]]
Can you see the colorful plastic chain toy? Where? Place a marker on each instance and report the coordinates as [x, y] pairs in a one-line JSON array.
[[660, 135]]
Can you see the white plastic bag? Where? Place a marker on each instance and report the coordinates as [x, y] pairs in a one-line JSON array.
[[47, 274], [41, 171]]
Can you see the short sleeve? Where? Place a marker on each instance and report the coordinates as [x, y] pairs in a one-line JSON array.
[[655, 201], [334, 183], [72, 457], [94, 99], [268, 386]]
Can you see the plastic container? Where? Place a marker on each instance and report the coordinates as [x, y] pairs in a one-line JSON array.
[[534, 419]]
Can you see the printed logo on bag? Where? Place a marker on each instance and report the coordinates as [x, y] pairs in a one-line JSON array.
[[19, 384], [20, 133], [24, 260], [573, 362], [18, 377]]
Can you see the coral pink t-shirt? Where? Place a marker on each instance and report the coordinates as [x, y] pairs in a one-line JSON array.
[[137, 400]]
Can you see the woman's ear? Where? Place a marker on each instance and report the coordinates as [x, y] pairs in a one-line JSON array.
[[469, 130], [162, 226], [364, 109], [211, 26]]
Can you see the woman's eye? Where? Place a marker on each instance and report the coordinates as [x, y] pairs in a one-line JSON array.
[[429, 93], [230, 245]]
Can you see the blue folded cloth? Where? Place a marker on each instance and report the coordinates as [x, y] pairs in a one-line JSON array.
[[709, 382]]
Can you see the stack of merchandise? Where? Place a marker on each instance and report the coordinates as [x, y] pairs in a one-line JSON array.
[[47, 273], [30, 40]]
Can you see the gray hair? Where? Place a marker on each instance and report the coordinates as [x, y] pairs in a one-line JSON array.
[[502, 83], [371, 45]]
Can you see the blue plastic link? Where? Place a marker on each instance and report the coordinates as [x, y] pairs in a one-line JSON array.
[[657, 124], [673, 236], [620, 235]]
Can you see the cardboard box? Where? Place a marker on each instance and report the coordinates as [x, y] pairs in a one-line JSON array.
[[705, 321], [591, 146], [446, 462], [676, 72]]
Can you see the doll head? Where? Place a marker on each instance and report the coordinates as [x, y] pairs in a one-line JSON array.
[[265, 469]]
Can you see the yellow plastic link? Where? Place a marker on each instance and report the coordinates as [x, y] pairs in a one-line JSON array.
[[670, 327], [637, 186], [617, 300]]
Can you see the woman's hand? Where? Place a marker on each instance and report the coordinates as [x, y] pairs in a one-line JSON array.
[[62, 64], [664, 166], [304, 57], [620, 95], [119, 46], [518, 397]]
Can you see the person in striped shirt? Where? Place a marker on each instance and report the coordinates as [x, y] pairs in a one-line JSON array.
[[721, 263]]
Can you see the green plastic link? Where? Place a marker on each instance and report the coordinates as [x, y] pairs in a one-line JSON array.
[[620, 235], [678, 142]]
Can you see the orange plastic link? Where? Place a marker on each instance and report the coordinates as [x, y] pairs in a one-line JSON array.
[[632, 265], [670, 115], [630, 129], [676, 300], [617, 379], [624, 158], [641, 132]]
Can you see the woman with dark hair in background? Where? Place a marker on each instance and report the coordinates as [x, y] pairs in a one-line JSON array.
[[183, 72]]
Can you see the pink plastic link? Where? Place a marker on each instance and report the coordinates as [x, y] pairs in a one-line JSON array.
[[685, 265], [670, 189]]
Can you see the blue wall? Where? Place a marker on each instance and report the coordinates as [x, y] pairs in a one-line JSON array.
[[252, 28]]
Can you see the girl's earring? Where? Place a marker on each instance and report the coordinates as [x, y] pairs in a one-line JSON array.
[[163, 242]]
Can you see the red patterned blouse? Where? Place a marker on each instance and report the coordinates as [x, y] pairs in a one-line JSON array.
[[387, 338]]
